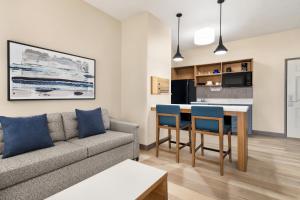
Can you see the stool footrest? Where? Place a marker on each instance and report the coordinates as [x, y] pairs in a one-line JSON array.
[[215, 150], [181, 143]]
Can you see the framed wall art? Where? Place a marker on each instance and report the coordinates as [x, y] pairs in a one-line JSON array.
[[36, 73]]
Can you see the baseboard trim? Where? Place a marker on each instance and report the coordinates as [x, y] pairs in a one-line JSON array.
[[152, 145], [267, 133]]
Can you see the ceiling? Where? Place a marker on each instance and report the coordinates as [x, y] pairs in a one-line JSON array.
[[241, 18]]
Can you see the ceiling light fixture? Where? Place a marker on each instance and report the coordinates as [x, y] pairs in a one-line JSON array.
[[178, 57], [221, 49], [204, 36]]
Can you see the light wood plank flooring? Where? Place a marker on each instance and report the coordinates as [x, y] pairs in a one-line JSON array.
[[273, 171]]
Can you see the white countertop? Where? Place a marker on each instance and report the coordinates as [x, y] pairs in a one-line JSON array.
[[225, 101], [126, 180], [226, 108]]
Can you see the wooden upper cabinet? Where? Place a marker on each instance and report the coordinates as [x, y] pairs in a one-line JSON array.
[[183, 73], [212, 72]]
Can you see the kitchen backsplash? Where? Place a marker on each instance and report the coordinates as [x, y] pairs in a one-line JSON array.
[[233, 93]]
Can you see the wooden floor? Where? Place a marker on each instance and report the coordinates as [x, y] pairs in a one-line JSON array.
[[273, 171]]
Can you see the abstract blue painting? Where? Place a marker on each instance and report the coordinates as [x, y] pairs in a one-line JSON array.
[[36, 73]]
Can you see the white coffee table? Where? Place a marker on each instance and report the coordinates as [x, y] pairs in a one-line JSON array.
[[127, 180]]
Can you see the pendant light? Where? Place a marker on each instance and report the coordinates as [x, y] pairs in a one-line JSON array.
[[221, 49], [178, 57]]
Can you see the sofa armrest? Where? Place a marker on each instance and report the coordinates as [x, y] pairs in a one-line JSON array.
[[127, 127]]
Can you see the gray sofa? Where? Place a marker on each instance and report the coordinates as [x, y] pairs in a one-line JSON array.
[[42, 173]]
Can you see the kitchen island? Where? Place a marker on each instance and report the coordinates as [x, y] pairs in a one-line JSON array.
[[240, 112]]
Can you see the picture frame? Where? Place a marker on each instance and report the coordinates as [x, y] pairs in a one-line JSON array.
[[37, 73]]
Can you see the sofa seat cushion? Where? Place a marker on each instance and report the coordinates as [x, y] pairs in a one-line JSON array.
[[100, 143], [29, 165]]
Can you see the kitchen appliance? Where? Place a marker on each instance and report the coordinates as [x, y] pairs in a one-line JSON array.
[[239, 79], [183, 91]]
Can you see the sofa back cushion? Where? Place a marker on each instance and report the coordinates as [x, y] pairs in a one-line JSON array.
[[71, 125], [56, 127], [105, 118]]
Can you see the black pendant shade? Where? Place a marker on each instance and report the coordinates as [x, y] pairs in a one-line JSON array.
[[178, 57], [221, 49]]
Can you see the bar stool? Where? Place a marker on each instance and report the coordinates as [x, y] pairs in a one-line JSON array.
[[168, 117], [208, 120]]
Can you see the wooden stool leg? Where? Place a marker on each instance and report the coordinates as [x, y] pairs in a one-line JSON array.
[[170, 137], [202, 144], [221, 154], [193, 148], [193, 142], [190, 139], [177, 145], [157, 140], [229, 146]]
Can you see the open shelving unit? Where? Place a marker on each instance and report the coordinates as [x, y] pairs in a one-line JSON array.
[[183, 73], [212, 72]]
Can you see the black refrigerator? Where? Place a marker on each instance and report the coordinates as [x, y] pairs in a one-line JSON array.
[[183, 92]]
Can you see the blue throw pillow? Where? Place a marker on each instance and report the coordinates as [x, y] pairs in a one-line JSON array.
[[24, 134], [90, 122]]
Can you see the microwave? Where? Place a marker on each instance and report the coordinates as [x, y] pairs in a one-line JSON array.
[[239, 79]]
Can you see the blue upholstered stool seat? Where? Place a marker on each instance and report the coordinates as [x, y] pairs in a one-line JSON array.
[[226, 129], [170, 120], [182, 124]]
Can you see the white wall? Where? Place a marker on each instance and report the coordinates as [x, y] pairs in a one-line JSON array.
[[146, 52], [134, 71], [158, 64], [70, 26], [269, 53]]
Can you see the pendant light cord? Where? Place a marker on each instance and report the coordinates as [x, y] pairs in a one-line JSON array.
[[220, 19], [178, 31]]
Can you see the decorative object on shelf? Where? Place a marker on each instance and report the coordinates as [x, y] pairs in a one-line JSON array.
[[204, 36], [178, 57], [216, 71], [218, 84], [244, 67], [36, 73], [209, 83], [221, 49], [159, 85], [228, 69]]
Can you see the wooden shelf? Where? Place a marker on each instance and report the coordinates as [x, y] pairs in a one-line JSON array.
[[207, 75], [209, 85], [234, 72]]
